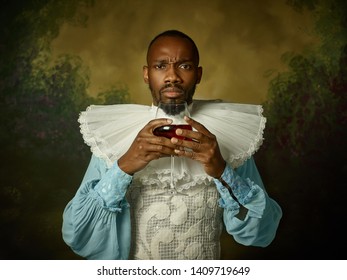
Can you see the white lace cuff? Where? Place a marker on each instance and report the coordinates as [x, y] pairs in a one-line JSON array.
[[241, 189], [112, 188]]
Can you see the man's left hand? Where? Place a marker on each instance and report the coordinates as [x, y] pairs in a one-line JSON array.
[[203, 147]]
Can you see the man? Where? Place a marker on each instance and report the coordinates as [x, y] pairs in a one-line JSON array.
[[120, 211]]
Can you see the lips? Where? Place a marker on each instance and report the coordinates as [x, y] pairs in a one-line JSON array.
[[172, 92]]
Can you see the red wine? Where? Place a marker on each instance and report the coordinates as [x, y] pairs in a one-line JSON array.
[[169, 131]]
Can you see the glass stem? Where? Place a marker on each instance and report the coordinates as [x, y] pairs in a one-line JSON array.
[[172, 185]]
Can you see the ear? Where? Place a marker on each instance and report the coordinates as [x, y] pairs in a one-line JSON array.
[[199, 75], [145, 74]]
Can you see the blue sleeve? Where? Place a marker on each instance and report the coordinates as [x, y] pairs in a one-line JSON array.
[[96, 222], [263, 213]]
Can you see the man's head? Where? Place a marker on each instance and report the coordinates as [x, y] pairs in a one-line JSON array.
[[172, 71]]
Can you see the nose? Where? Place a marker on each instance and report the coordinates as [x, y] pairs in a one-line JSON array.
[[172, 75]]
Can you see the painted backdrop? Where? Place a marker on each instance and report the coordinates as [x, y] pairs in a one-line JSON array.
[[57, 57]]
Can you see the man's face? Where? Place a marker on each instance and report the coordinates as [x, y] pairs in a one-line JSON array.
[[172, 71]]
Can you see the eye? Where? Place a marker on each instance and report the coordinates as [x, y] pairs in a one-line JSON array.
[[160, 66], [186, 66]]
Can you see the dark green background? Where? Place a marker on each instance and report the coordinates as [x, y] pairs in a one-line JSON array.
[[43, 158]]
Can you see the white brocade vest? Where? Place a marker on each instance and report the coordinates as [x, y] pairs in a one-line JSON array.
[[175, 226]]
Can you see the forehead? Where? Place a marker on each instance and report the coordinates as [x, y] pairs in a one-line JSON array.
[[172, 49]]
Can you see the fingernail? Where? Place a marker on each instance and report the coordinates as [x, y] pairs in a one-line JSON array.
[[174, 140], [178, 131]]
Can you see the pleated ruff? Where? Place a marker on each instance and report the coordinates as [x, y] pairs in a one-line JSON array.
[[109, 130]]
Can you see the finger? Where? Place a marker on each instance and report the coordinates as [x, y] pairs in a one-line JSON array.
[[198, 126], [155, 151], [181, 144], [159, 122], [162, 141], [188, 153], [189, 134]]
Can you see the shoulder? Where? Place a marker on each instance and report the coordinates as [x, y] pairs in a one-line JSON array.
[[224, 106]]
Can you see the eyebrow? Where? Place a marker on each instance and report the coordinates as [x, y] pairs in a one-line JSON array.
[[167, 61]]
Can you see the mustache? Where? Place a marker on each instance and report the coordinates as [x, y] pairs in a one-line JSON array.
[[172, 87]]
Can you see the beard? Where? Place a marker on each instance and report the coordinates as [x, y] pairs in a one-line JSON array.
[[174, 108], [187, 95]]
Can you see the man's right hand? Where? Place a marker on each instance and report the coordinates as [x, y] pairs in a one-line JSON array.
[[146, 147]]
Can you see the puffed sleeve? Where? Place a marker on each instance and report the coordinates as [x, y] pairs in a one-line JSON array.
[[96, 222], [259, 226]]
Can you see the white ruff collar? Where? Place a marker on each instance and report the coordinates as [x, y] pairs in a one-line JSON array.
[[109, 130]]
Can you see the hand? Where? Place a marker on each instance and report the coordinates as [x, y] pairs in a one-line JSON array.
[[146, 147], [203, 148]]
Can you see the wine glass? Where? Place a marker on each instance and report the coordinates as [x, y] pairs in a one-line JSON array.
[[175, 110]]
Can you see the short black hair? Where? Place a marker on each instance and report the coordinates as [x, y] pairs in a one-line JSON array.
[[175, 33]]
